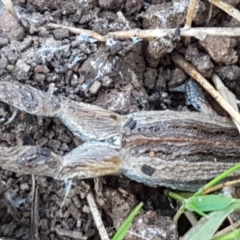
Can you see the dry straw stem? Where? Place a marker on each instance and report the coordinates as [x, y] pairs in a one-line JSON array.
[[199, 33], [227, 8], [178, 59], [191, 217], [97, 217], [189, 18], [35, 209], [79, 31], [226, 93], [10, 8], [227, 229], [221, 185], [190, 12]]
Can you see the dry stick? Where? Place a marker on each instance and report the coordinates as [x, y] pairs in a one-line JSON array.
[[97, 217], [79, 31], [227, 8], [178, 59]]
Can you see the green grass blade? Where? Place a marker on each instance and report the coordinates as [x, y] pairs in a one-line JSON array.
[[120, 234], [207, 227]]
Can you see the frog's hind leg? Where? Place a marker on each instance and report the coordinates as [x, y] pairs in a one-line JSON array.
[[29, 99], [86, 161]]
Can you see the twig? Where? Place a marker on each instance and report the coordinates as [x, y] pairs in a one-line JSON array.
[[178, 59], [227, 8], [190, 12], [79, 31], [97, 217]]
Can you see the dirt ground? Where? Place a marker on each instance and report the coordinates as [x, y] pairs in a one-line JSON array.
[[122, 76]]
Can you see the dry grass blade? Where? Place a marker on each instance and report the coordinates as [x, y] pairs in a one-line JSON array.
[[191, 217], [199, 33], [227, 8], [227, 229], [209, 13], [10, 8], [34, 210], [222, 185], [97, 217], [178, 59], [189, 18], [228, 95], [190, 12]]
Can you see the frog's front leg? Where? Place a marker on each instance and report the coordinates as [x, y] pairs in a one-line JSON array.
[[30, 160], [194, 96], [86, 161], [88, 122]]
